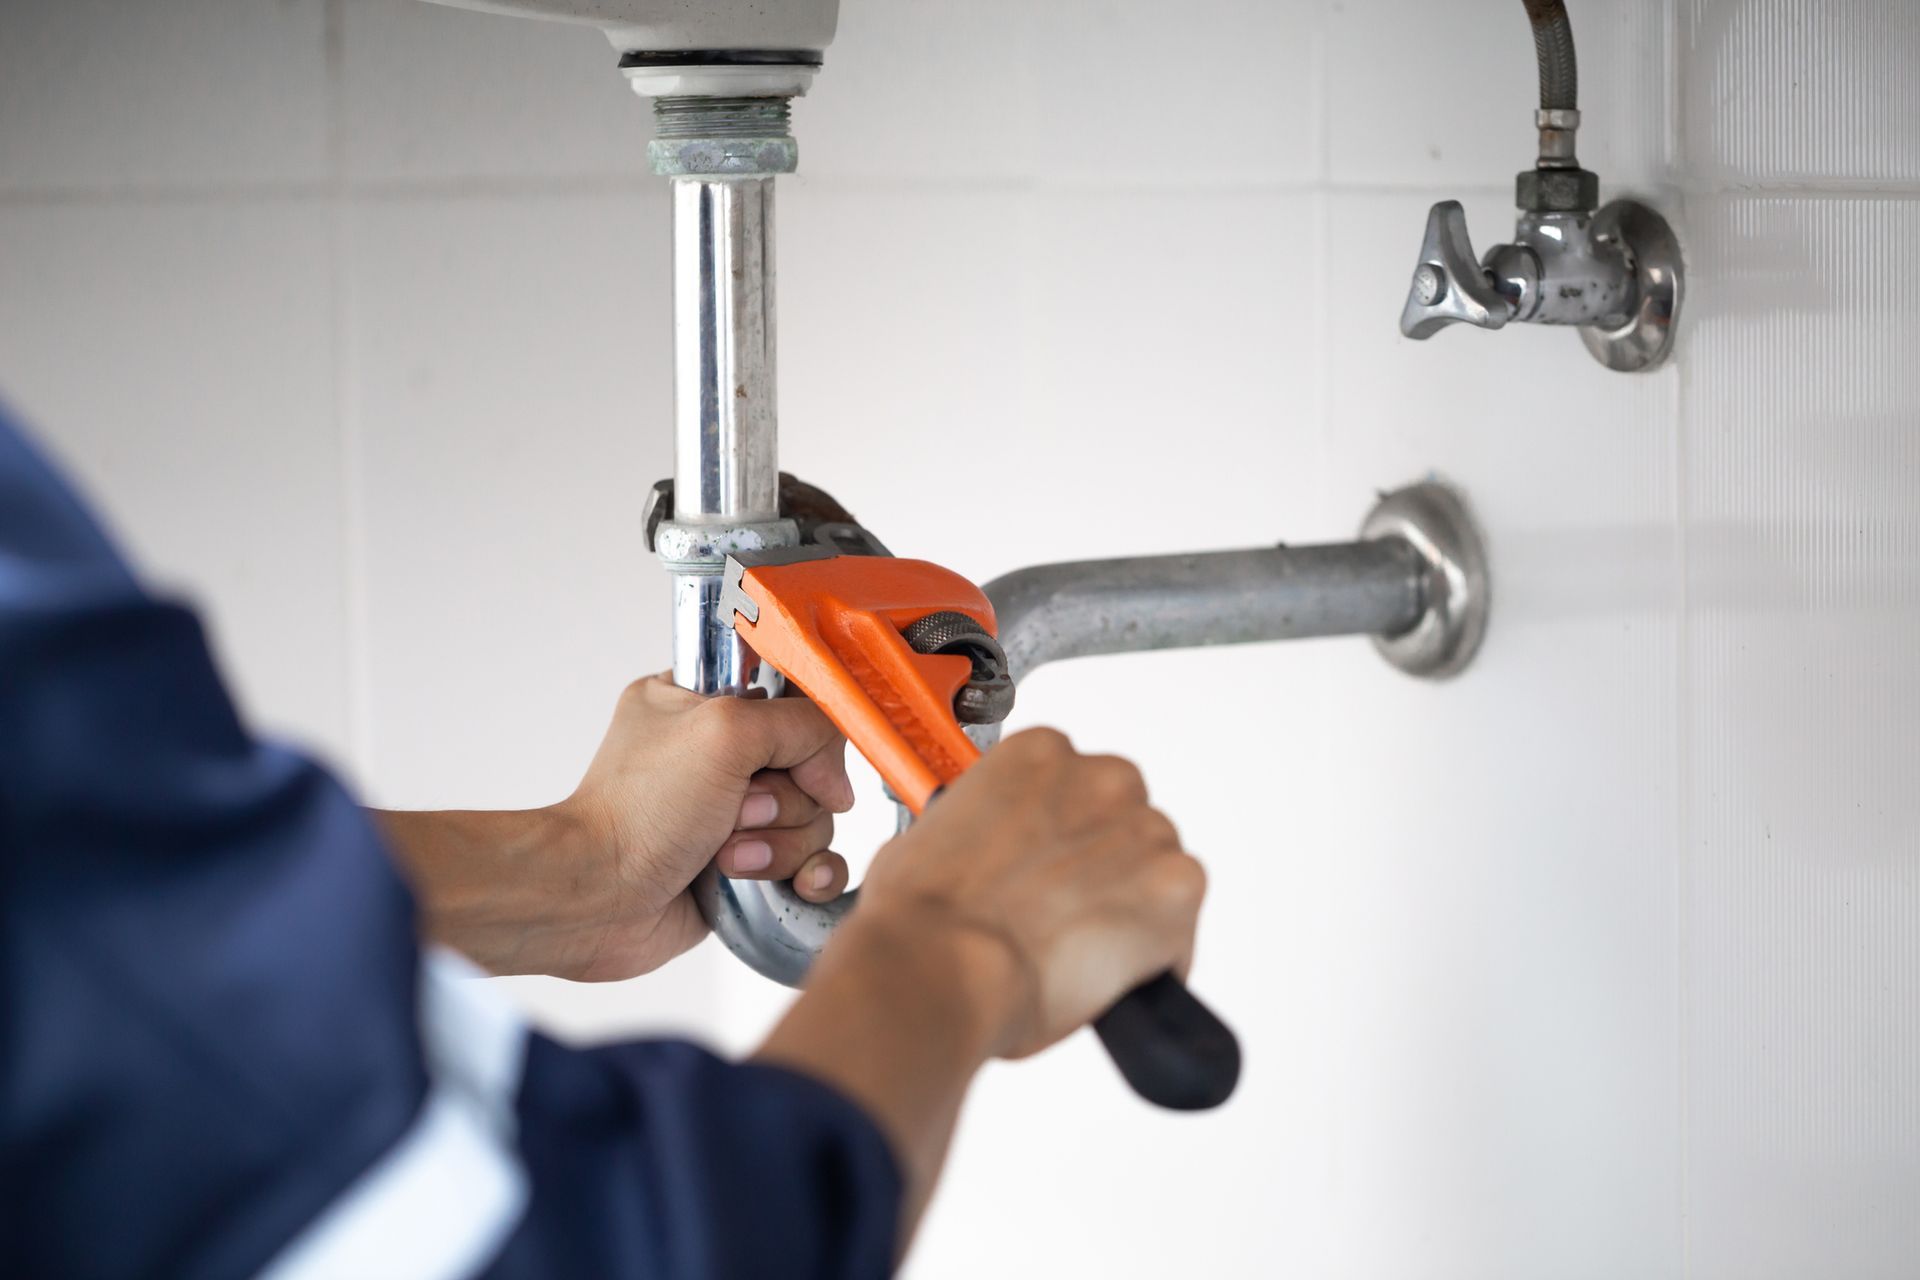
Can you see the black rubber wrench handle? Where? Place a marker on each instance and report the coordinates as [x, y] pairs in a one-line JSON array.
[[1170, 1047]]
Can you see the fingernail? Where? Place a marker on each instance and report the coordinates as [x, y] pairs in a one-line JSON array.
[[752, 855], [821, 878], [759, 809]]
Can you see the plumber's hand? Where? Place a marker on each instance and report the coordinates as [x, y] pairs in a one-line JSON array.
[[595, 888], [1052, 870], [1037, 890], [681, 780], [1059, 860]]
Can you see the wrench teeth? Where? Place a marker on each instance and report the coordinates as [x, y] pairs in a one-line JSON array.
[[946, 633], [987, 697]]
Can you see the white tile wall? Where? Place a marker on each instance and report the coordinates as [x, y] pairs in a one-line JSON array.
[[1137, 93], [1523, 1011], [1599, 961], [1779, 92], [509, 411], [1418, 93], [921, 91], [509, 358], [187, 95], [179, 356], [1801, 824], [1162, 315], [432, 93], [903, 325], [1004, 92]]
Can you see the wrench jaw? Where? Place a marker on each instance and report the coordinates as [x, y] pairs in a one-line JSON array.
[[900, 654], [837, 628], [735, 600], [891, 651]]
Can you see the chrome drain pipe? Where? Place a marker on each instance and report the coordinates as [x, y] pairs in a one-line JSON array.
[[726, 469], [721, 155], [722, 137]]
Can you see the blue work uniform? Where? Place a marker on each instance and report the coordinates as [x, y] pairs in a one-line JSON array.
[[223, 1053]]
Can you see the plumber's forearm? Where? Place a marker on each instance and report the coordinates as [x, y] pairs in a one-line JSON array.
[[899, 1017]]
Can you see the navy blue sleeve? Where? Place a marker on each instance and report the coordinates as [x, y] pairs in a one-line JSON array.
[[206, 968], [209, 1023], [660, 1151]]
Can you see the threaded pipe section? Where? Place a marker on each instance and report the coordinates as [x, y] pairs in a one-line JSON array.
[[1553, 46], [722, 117]]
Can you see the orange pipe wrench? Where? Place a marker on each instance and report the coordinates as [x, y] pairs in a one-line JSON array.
[[895, 651]]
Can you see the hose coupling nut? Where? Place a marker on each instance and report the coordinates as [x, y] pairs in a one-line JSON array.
[[1558, 128]]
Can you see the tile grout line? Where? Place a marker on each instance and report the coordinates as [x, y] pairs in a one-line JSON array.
[[574, 186], [1322, 102], [353, 530], [1682, 685], [1328, 1088], [1323, 187]]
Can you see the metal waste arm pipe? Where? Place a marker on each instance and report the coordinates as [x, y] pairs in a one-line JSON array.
[[1076, 610], [1415, 581]]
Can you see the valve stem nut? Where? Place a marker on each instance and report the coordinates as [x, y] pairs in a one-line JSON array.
[[1556, 190]]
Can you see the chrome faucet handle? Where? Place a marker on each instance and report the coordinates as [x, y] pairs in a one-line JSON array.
[[1449, 286]]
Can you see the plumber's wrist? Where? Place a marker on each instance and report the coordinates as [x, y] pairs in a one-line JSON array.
[[513, 890], [972, 977]]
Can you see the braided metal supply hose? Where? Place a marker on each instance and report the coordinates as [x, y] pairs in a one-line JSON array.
[[1553, 44]]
